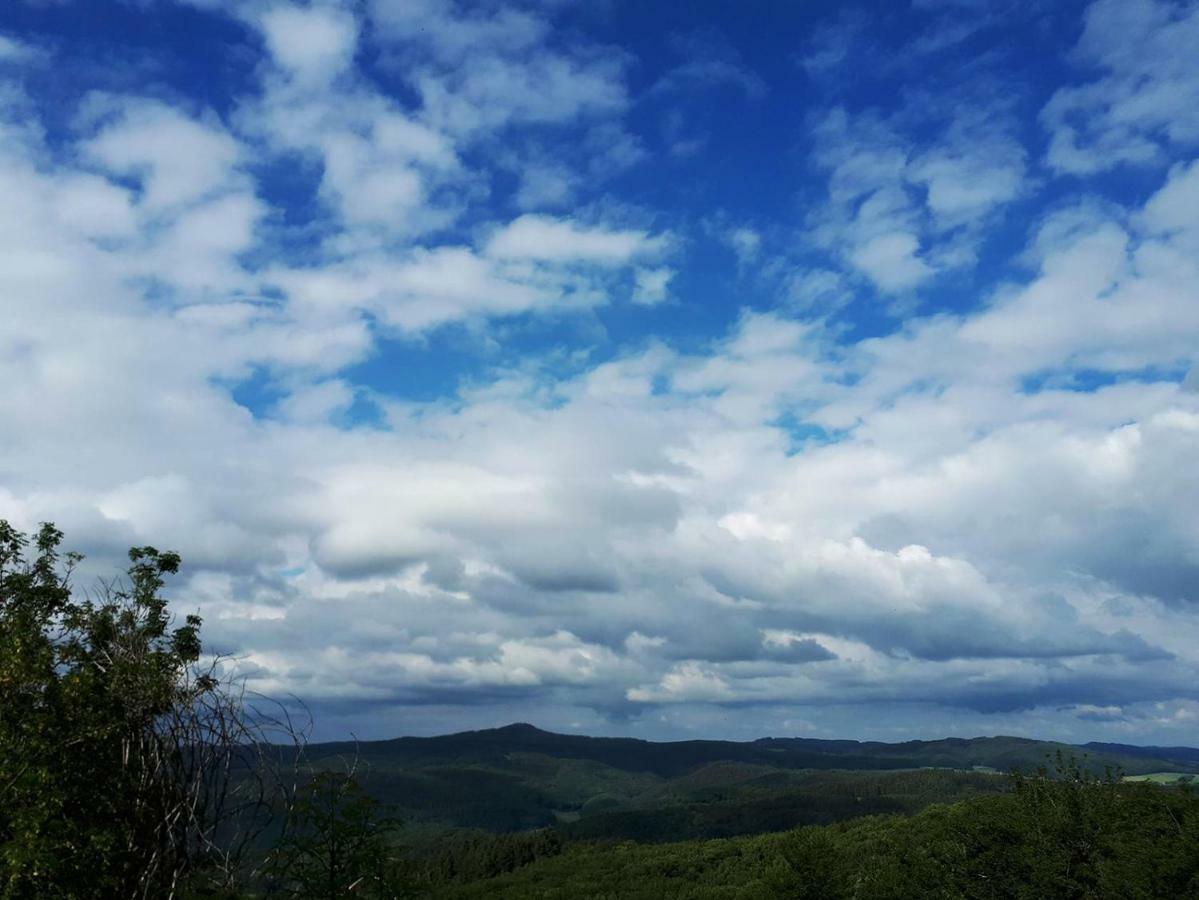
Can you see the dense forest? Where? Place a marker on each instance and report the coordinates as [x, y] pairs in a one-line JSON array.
[[1062, 835], [130, 766]]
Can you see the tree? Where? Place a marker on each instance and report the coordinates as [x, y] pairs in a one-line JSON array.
[[336, 843], [1074, 818], [127, 768]]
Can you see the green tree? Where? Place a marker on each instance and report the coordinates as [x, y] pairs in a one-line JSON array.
[[336, 843], [1073, 817], [116, 747]]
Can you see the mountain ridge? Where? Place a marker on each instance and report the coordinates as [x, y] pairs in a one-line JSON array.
[[671, 758], [519, 777]]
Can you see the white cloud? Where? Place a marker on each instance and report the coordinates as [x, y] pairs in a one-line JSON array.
[[429, 288], [453, 33], [379, 166], [1171, 210], [892, 261], [14, 51], [532, 263], [317, 402], [745, 243], [1146, 97], [480, 70], [687, 682], [652, 286], [964, 186], [197, 250], [817, 289], [890, 198], [313, 44], [830, 46], [544, 185], [986, 512], [96, 207], [491, 92], [176, 159], [562, 240]]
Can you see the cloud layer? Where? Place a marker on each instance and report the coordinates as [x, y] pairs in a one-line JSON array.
[[910, 454]]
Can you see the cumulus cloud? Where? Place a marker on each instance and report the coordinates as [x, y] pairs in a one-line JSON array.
[[310, 44], [984, 514], [176, 158], [532, 262]]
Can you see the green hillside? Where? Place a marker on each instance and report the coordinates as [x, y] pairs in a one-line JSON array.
[[673, 758], [1067, 840], [520, 777]]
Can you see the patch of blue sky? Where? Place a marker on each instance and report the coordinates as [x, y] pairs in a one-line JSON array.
[[258, 392], [400, 367], [1086, 381], [180, 52], [803, 435], [291, 186]]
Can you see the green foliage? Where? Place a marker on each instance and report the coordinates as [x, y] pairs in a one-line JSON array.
[[465, 796], [476, 856], [116, 747], [586, 800], [82, 685], [1062, 833], [336, 843], [774, 802]]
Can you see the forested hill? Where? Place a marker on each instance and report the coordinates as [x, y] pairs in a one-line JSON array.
[[674, 758], [1186, 756]]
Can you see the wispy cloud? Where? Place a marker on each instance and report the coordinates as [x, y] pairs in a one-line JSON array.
[[1143, 95]]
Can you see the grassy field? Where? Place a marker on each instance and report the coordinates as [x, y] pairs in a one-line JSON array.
[[1164, 777]]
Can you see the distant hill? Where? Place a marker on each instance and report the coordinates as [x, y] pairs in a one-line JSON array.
[[673, 758], [1187, 756], [520, 777]]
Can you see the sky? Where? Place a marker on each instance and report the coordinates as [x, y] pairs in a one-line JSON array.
[[669, 370]]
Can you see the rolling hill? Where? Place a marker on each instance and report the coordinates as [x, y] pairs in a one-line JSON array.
[[520, 777]]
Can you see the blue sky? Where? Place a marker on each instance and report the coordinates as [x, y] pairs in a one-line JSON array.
[[656, 369]]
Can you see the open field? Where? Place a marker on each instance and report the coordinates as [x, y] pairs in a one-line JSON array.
[[1164, 777]]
